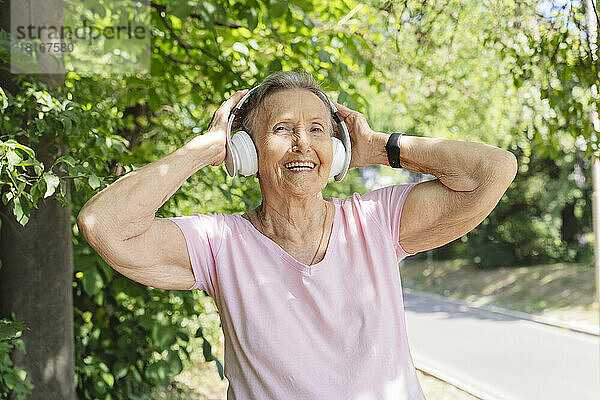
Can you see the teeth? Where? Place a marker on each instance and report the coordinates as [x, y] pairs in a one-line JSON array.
[[300, 165]]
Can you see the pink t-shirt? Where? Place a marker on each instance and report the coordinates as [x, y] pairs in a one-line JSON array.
[[333, 330]]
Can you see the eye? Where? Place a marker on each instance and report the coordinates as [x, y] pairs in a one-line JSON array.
[[282, 128], [317, 129]]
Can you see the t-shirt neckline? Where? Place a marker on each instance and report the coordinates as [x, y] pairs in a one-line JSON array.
[[306, 269]]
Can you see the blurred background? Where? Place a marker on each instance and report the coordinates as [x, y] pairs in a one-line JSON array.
[[517, 74]]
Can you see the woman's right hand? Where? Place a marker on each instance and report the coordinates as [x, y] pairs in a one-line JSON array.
[[218, 124]]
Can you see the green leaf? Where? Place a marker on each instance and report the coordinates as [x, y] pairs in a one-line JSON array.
[[219, 368], [10, 329], [10, 382], [369, 68], [3, 100], [93, 181], [38, 189], [278, 8], [13, 144], [249, 202], [6, 196], [181, 9], [66, 122], [52, 182], [120, 369], [78, 182], [305, 5], [274, 65], [207, 350], [159, 372], [251, 17], [163, 335], [154, 100], [13, 157], [241, 48], [108, 378], [323, 56], [92, 282], [518, 82], [206, 10], [175, 364], [226, 194], [19, 345], [21, 374], [199, 333], [41, 125], [20, 211], [66, 159]]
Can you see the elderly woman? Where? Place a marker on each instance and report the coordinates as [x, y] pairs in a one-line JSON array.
[[308, 289]]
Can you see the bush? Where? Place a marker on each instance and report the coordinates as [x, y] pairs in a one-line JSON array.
[[13, 380], [544, 216], [130, 339]]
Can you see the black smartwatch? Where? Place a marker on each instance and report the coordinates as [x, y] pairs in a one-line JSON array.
[[392, 149]]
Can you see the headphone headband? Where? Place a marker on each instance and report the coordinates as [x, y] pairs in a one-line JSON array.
[[230, 162]]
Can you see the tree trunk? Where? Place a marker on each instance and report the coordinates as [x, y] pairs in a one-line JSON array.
[[37, 259], [36, 284], [569, 224]]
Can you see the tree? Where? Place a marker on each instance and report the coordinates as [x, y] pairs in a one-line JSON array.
[[512, 74], [37, 263]]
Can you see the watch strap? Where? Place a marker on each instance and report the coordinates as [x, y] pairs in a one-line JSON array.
[[392, 149]]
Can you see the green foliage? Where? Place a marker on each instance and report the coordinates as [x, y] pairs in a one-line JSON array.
[[545, 216], [13, 380], [132, 339], [10, 329], [40, 117], [550, 62], [508, 75]]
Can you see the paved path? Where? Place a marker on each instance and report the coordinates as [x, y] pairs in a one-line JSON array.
[[499, 357]]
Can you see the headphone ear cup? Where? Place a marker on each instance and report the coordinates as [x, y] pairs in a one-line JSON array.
[[339, 156], [244, 153]]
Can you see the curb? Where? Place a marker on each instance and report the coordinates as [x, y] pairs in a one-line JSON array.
[[511, 313], [473, 391]]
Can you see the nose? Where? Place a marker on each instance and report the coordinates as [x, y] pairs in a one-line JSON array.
[[301, 142]]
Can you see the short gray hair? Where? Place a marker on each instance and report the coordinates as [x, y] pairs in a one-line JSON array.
[[275, 82]]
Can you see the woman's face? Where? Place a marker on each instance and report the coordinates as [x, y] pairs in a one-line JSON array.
[[294, 126]]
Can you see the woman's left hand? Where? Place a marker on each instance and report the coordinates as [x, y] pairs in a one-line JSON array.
[[361, 135]]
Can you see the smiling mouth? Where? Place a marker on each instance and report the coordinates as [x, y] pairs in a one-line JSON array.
[[300, 166]]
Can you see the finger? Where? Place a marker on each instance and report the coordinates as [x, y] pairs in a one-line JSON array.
[[224, 110], [343, 110], [235, 98]]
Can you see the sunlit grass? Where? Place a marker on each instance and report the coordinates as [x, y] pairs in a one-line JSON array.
[[562, 291], [434, 389]]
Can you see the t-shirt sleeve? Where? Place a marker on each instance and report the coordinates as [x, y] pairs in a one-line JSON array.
[[388, 210], [203, 233]]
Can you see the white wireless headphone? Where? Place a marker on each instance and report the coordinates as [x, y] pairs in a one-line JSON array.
[[241, 156]]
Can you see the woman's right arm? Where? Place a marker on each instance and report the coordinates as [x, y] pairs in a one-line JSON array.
[[120, 221]]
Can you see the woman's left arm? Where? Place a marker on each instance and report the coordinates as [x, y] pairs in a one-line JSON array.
[[472, 177]]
